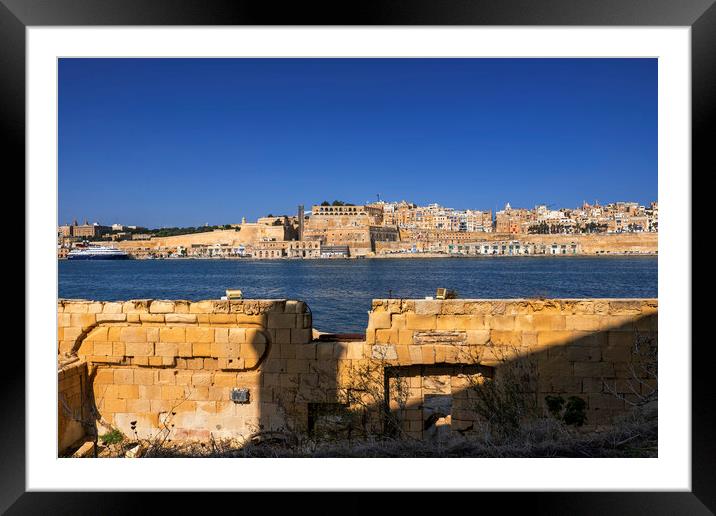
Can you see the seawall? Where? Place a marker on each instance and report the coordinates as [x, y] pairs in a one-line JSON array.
[[232, 369]]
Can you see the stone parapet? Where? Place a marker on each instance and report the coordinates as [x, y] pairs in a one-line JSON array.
[[237, 368]]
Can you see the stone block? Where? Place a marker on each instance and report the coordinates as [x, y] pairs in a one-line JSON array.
[[583, 353], [297, 366], [237, 335], [172, 334], [370, 335], [555, 338], [110, 318], [102, 348], [225, 379], [201, 349], [201, 379], [94, 308], [421, 322], [63, 319], [427, 307], [185, 349], [166, 377], [98, 334], [201, 307], [151, 318], [161, 307], [625, 307], [195, 363], [384, 352], [112, 308], [387, 336], [605, 401], [221, 335], [295, 307], [584, 322], [133, 334], [104, 376], [427, 354], [75, 307], [379, 320], [128, 392], [593, 369], [181, 306], [222, 318], [173, 392], [305, 351], [71, 333], [324, 351], [133, 349], [165, 349], [231, 363], [549, 322], [506, 338], [282, 320], [460, 322], [355, 351], [136, 405], [181, 318], [500, 322], [118, 349], [478, 337], [144, 376], [254, 320], [405, 337], [150, 392], [113, 405], [198, 393], [136, 306]]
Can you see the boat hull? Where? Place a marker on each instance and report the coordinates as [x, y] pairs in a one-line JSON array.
[[99, 257]]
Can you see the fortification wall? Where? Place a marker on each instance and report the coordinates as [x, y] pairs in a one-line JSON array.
[[71, 407], [616, 243], [572, 347], [641, 243], [235, 368]]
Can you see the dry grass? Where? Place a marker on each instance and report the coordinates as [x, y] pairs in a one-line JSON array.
[[633, 436]]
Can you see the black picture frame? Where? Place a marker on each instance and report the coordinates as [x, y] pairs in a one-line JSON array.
[[700, 15]]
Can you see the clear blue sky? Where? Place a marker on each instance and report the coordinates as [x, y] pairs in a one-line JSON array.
[[183, 142]]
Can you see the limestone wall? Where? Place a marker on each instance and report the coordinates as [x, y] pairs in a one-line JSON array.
[[577, 347], [236, 368], [71, 397]]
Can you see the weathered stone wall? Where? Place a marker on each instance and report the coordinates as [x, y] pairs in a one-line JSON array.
[[71, 407], [579, 347], [155, 363], [621, 243], [172, 366]]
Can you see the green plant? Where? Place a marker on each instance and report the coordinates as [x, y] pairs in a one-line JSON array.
[[114, 436], [554, 405], [574, 409]]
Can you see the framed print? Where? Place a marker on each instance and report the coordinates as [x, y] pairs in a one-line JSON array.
[[275, 250]]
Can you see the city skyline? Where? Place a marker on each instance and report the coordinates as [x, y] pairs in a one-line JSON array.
[[181, 142], [292, 213]]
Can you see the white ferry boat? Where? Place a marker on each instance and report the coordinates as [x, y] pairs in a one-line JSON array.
[[97, 253]]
